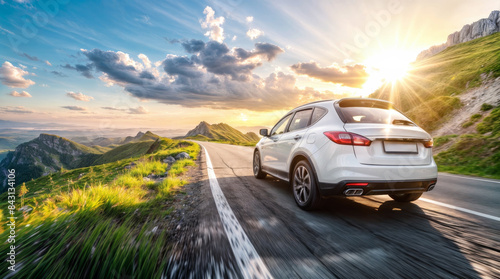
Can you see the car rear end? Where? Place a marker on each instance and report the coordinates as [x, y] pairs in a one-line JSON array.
[[374, 150]]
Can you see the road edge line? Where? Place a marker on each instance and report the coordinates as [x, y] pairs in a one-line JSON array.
[[249, 261], [492, 180], [461, 209]]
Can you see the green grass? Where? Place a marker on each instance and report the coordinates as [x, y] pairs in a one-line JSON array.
[[473, 154], [491, 123], [439, 141], [146, 167], [103, 221], [473, 119]]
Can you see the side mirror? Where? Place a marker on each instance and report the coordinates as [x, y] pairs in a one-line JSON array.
[[263, 132]]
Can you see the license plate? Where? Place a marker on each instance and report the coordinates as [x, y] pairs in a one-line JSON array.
[[400, 147]]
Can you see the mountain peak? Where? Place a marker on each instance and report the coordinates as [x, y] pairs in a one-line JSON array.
[[204, 124], [201, 129], [221, 132], [139, 135]]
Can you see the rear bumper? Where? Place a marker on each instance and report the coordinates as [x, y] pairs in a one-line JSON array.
[[377, 187]]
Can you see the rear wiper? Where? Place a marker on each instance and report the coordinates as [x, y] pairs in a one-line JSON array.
[[402, 122]]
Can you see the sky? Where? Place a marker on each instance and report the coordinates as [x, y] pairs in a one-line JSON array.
[[172, 64]]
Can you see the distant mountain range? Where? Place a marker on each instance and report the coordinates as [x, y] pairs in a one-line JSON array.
[[13, 133], [115, 141], [221, 132], [481, 28], [49, 153]]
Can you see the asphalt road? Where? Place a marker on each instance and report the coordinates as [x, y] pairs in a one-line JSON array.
[[363, 237]]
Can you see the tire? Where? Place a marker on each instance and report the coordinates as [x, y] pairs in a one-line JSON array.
[[305, 191], [405, 197], [257, 166]]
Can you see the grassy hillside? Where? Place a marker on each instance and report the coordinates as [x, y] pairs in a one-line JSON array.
[[473, 154], [221, 133], [103, 221], [428, 93], [125, 151]]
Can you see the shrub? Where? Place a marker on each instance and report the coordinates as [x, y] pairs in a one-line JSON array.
[[491, 123], [485, 107], [475, 117], [467, 124]]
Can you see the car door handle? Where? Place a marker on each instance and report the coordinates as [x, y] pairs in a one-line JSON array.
[[297, 137]]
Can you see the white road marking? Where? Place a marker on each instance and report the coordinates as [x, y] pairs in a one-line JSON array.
[[461, 209], [466, 177], [250, 263]]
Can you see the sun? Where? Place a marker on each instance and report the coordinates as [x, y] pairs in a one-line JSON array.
[[387, 67], [391, 66]]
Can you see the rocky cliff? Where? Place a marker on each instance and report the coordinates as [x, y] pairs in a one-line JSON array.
[[478, 29]]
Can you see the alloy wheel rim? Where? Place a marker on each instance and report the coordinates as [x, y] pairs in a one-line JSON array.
[[302, 184], [256, 163]]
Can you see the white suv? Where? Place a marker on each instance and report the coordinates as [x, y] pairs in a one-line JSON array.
[[348, 147]]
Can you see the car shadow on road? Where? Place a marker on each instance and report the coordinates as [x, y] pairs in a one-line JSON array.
[[363, 238]]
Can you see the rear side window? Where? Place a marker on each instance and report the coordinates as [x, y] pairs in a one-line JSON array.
[[317, 114], [300, 120], [371, 111]]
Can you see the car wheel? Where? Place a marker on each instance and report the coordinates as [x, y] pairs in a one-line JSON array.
[[405, 197], [304, 186], [257, 167]]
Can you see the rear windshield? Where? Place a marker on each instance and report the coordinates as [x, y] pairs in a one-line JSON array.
[[370, 111]]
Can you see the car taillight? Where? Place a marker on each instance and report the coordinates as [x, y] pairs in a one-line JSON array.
[[348, 138], [429, 143]]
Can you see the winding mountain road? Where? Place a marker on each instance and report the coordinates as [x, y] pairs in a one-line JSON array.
[[452, 231]]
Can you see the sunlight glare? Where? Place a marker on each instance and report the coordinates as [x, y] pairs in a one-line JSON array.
[[391, 66]]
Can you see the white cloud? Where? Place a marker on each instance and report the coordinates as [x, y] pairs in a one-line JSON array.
[[254, 33], [145, 60], [22, 94], [79, 96], [13, 76], [249, 19], [138, 110], [48, 63], [215, 32], [234, 38]]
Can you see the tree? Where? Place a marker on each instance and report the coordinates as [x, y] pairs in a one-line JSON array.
[[23, 191]]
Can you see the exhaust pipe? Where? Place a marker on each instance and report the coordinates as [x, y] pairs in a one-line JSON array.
[[353, 192], [431, 187]]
